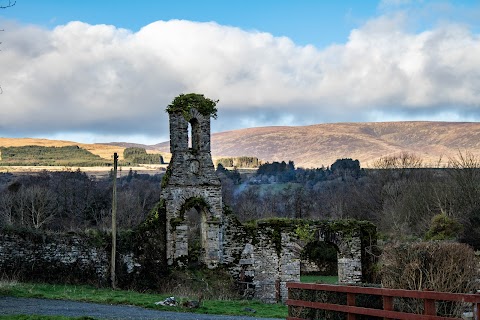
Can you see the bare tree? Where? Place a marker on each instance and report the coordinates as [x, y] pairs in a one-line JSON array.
[[464, 171], [9, 4], [7, 208], [41, 205]]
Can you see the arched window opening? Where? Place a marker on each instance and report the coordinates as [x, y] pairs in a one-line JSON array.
[[194, 128], [190, 136], [195, 219]]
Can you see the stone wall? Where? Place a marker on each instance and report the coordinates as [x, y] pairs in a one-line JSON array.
[[65, 258], [83, 258], [264, 257], [261, 257]]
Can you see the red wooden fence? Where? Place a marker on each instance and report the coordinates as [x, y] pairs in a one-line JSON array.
[[428, 297]]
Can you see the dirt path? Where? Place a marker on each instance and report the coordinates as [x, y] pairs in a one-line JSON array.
[[10, 306]]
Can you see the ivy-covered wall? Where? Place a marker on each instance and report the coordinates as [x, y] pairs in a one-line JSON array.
[[53, 258], [85, 257], [264, 255]]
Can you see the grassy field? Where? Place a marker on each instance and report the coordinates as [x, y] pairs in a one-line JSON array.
[[146, 300], [319, 279]]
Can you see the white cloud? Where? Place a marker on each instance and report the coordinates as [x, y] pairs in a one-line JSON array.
[[80, 78]]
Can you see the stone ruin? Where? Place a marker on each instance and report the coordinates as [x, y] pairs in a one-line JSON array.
[[262, 257], [191, 181]]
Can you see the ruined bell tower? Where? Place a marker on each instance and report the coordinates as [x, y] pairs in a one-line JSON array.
[[191, 181]]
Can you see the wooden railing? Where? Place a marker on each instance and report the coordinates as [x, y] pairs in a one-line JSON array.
[[387, 295]]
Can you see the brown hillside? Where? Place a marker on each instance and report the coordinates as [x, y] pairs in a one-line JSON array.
[[104, 151], [322, 144]]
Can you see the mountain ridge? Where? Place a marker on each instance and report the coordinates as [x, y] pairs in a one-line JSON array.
[[321, 144]]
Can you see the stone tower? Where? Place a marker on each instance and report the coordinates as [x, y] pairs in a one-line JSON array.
[[191, 181]]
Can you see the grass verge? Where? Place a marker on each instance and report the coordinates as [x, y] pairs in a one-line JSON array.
[[319, 279], [37, 317], [145, 300]]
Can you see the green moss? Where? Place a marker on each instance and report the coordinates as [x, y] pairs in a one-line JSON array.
[[153, 218], [175, 222], [306, 229], [194, 202], [32, 235], [305, 232], [274, 228], [184, 103], [97, 238], [166, 176], [214, 220]]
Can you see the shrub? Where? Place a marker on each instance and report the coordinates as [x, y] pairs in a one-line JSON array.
[[443, 228], [437, 266]]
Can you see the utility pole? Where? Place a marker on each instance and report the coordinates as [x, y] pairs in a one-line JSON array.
[[114, 222]]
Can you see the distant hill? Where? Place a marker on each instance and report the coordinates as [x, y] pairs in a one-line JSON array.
[[322, 144], [317, 145], [104, 151]]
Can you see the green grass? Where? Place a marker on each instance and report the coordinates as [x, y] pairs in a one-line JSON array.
[[319, 279], [146, 300]]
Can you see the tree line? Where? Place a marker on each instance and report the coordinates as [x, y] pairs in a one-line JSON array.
[[401, 197], [240, 162], [136, 155], [49, 156], [70, 156], [74, 201]]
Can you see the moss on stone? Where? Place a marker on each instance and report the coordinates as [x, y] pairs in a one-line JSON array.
[[194, 202], [154, 216], [166, 176], [184, 103], [306, 230], [175, 222]]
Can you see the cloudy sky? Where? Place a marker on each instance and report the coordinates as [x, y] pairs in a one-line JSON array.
[[99, 71]]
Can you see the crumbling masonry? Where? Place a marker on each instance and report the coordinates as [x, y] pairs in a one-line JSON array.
[[191, 181], [261, 258]]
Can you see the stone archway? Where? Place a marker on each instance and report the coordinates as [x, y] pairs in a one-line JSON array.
[[319, 258], [210, 240], [349, 244], [268, 252]]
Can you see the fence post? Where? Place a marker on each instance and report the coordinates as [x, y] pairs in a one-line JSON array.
[[476, 309], [429, 307], [114, 223], [351, 302], [387, 304]]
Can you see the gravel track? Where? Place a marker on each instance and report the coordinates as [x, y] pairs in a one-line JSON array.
[[11, 306]]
